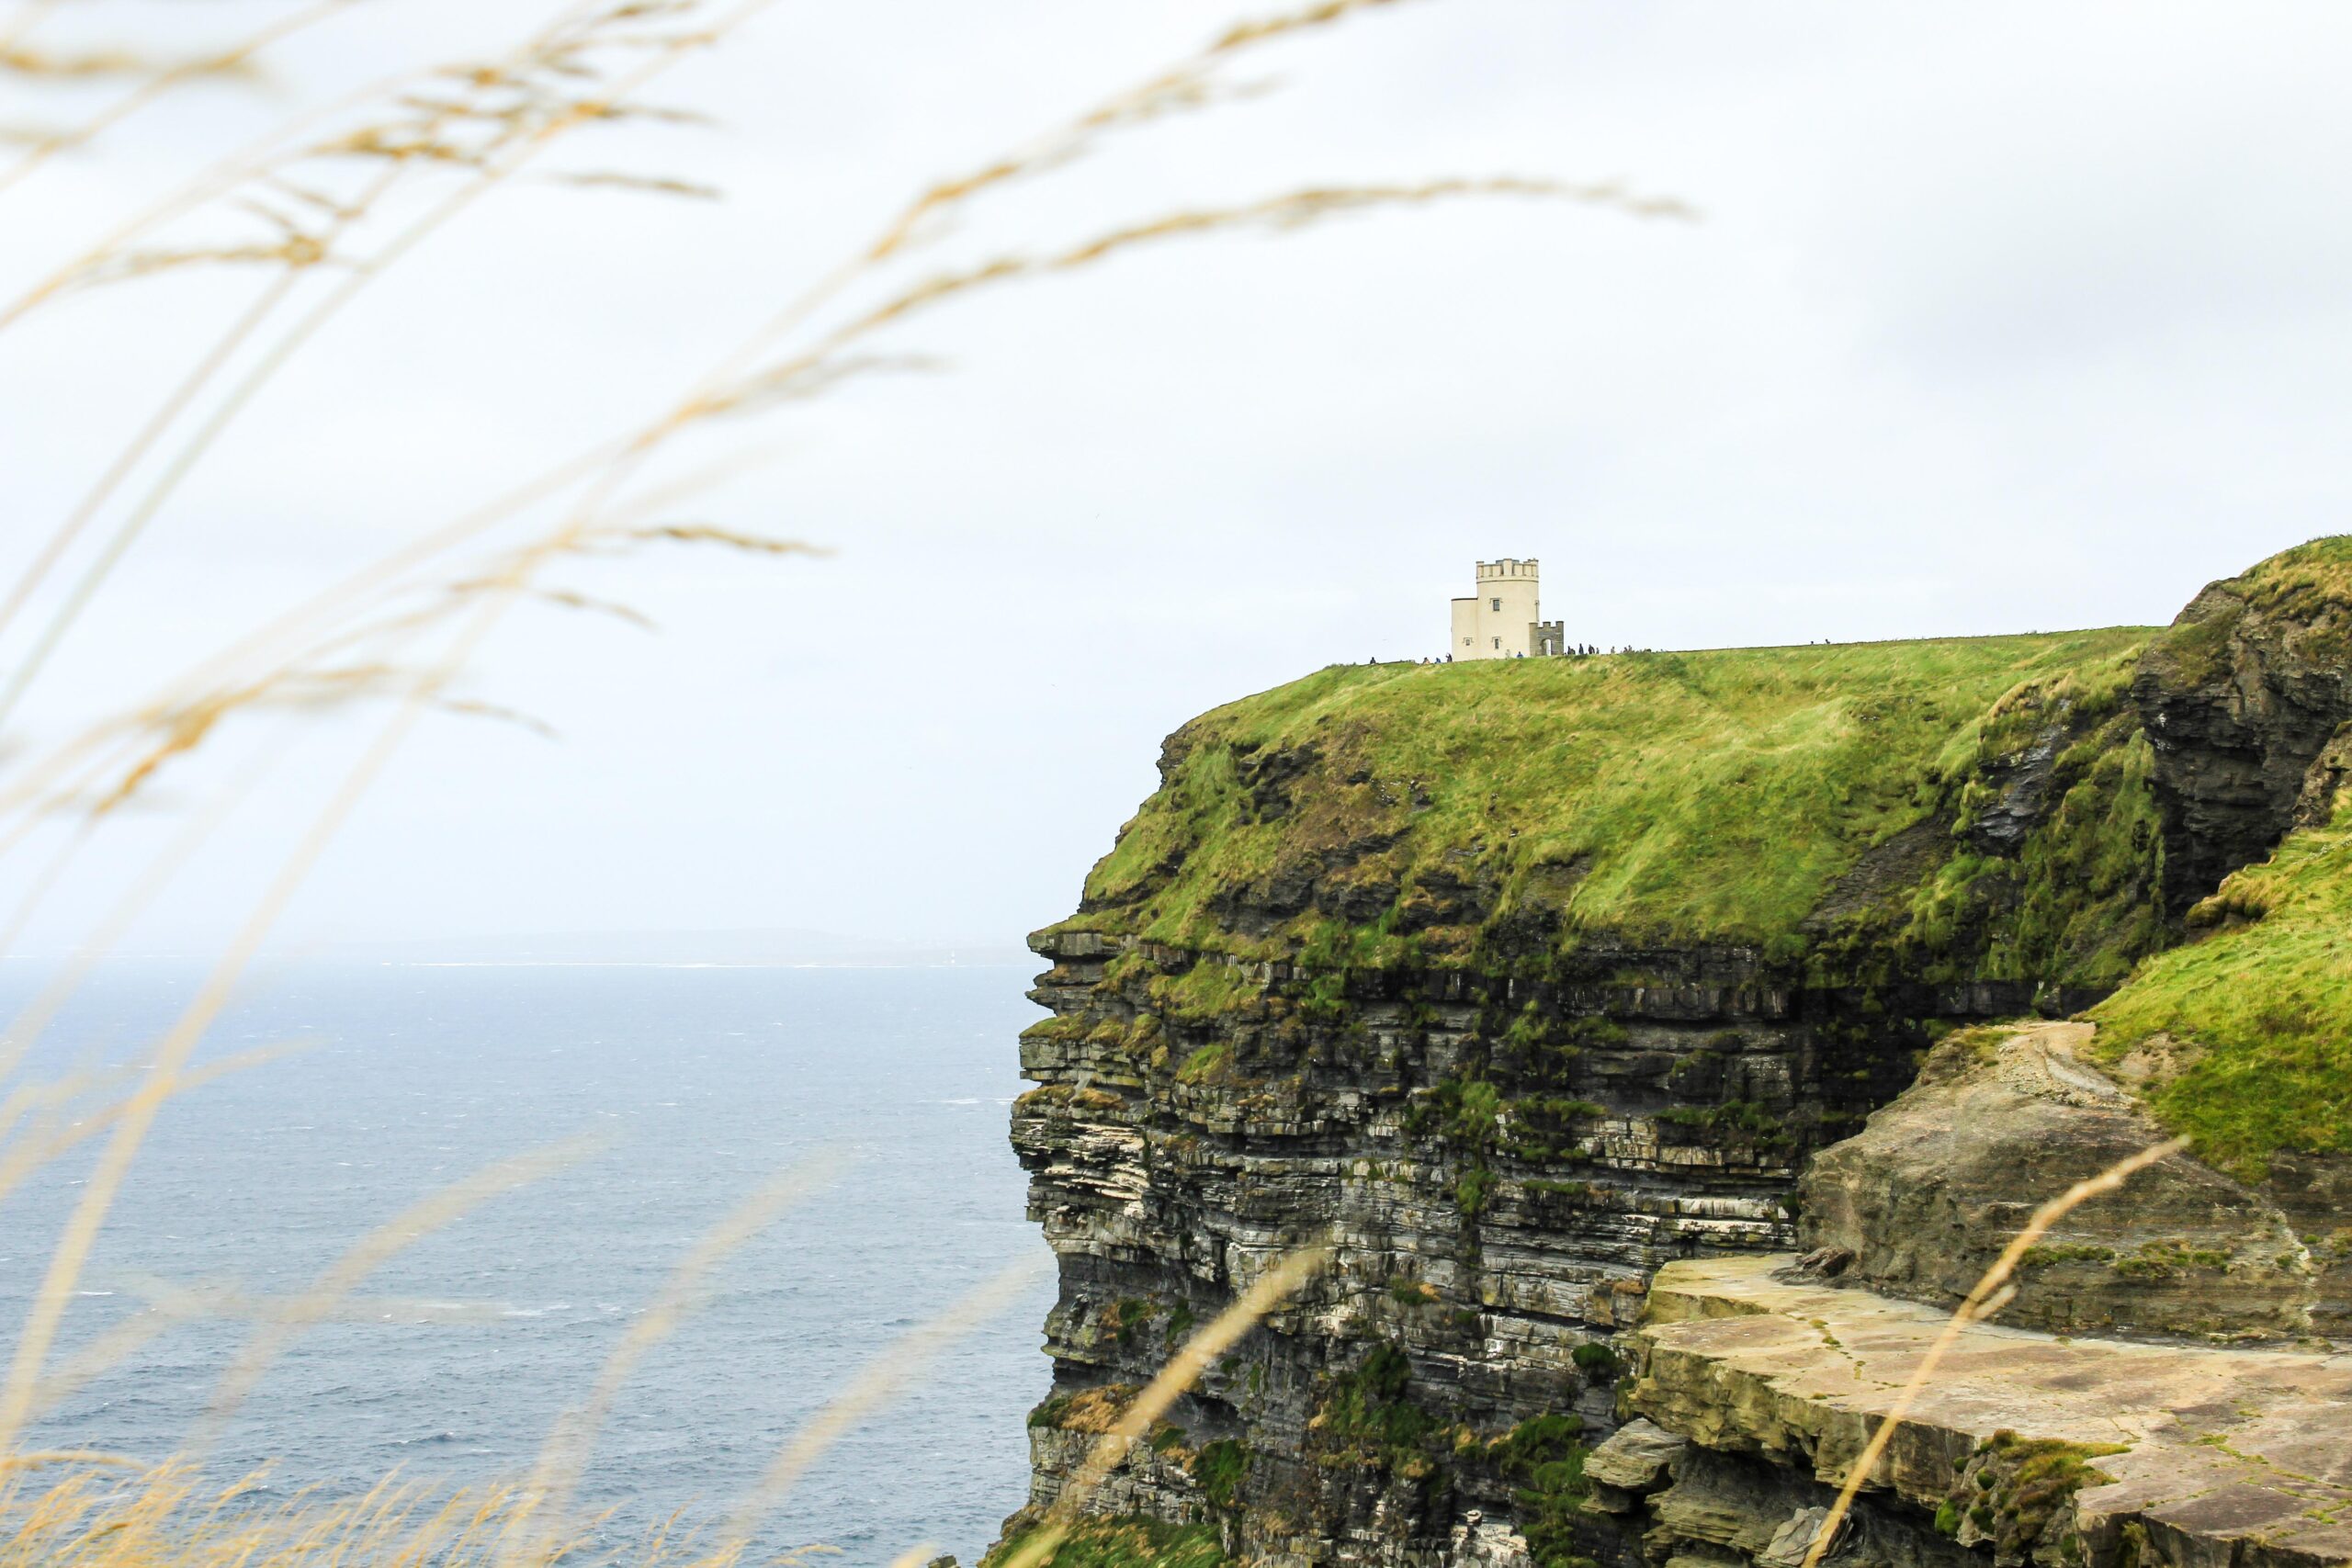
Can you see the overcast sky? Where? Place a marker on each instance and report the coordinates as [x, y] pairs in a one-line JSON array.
[[1998, 318]]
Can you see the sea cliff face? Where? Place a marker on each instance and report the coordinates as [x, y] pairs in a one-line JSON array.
[[1512, 984]]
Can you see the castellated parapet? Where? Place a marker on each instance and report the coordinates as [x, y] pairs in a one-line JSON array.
[[1504, 619]]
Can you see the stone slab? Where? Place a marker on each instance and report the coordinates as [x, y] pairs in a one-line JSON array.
[[2242, 1453]]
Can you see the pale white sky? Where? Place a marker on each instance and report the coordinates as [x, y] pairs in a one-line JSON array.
[[1999, 317]]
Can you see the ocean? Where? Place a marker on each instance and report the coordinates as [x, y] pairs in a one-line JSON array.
[[698, 1087]]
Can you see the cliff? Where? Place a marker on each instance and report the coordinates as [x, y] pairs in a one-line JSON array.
[[1517, 982]]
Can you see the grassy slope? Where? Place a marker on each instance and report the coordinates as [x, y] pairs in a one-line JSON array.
[[1718, 796], [2265, 1009], [1710, 796], [2262, 1011], [1129, 1542]]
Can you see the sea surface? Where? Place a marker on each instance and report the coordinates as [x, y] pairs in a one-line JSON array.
[[695, 1088]]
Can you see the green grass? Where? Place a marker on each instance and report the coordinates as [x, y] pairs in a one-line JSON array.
[[2012, 1486], [2261, 1012], [1205, 1063], [1221, 1467], [2301, 578], [1711, 796], [2258, 1011], [1208, 990], [1130, 1542], [2311, 583], [1737, 796], [1600, 1363], [1369, 1416], [2065, 1252], [1545, 1458]]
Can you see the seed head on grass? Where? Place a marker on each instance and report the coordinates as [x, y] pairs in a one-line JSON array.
[[1268, 1291], [316, 205]]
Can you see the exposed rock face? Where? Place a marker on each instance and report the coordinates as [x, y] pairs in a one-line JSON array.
[[1920, 1203], [1499, 1164], [2239, 699], [1512, 995], [2021, 1448], [1485, 1244], [2323, 781]]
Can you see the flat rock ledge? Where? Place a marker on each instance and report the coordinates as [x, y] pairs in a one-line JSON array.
[[2215, 1457]]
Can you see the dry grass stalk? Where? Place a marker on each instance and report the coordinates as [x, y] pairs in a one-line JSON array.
[[42, 1459], [500, 135], [159, 1519], [138, 1113], [829, 363], [169, 1305], [29, 1153], [62, 537], [237, 58], [885, 1377], [36, 1015], [539, 112], [187, 730], [558, 71], [1268, 1291], [110, 1512], [1188, 86], [185, 727], [1987, 1296], [733, 386], [29, 14], [334, 1287], [564, 1457], [28, 1098], [1288, 211], [172, 1053], [65, 779]]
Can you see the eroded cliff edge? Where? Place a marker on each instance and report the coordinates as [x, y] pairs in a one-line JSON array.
[[1515, 982]]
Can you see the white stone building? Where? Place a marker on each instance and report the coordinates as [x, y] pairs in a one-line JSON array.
[[1505, 620]]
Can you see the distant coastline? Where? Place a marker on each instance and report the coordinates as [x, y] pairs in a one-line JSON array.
[[781, 949]]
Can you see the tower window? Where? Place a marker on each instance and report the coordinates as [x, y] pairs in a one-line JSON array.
[[1498, 642], [1499, 609]]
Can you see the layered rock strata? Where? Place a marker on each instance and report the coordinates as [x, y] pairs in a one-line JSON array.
[[2242, 695], [1483, 1248], [1514, 986]]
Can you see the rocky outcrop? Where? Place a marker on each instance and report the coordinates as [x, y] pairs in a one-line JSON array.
[[2239, 698], [1920, 1203], [2324, 781], [1498, 1168], [2021, 1448], [1498, 1162], [1514, 985]]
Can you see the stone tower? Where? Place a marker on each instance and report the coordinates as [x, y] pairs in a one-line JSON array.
[[1505, 620]]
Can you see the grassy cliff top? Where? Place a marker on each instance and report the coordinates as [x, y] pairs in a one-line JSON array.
[[2309, 585], [1715, 796], [2321, 569], [2257, 1016]]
